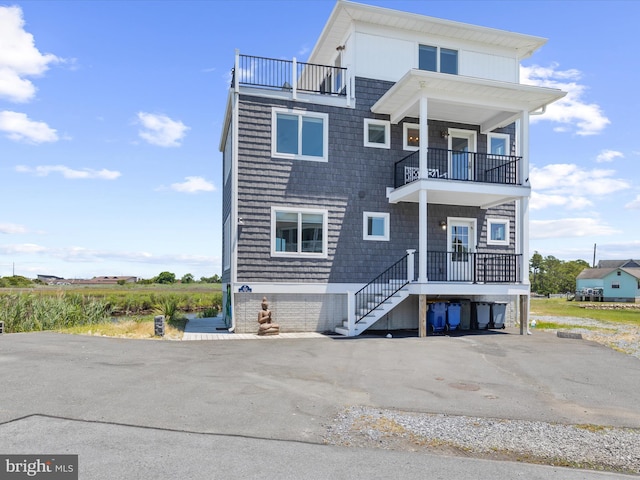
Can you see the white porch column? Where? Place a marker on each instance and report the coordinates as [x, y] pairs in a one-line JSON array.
[[351, 313], [424, 137], [422, 222], [522, 220], [524, 148]]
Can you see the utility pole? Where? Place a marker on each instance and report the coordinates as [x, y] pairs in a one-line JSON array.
[[594, 255]]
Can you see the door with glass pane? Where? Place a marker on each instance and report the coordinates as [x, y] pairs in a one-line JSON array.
[[462, 147], [461, 245], [498, 168]]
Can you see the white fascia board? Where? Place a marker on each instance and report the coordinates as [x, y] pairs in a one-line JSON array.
[[299, 288], [458, 289], [226, 123]]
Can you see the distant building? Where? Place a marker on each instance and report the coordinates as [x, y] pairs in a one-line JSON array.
[[610, 281], [108, 280]]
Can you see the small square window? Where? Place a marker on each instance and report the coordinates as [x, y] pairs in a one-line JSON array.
[[375, 226], [377, 133], [411, 136], [615, 284], [497, 231]]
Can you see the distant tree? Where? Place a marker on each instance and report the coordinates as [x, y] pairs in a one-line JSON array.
[[549, 275], [165, 277], [215, 279], [15, 281], [187, 278], [145, 281]]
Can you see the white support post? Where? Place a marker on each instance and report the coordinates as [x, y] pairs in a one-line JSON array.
[[524, 148], [422, 211], [348, 83], [424, 138], [294, 82], [236, 70], [351, 313], [422, 238], [410, 265]]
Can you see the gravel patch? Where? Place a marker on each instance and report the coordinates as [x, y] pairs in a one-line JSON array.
[[620, 337], [581, 446]]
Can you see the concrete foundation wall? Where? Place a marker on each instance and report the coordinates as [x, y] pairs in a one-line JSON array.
[[293, 312]]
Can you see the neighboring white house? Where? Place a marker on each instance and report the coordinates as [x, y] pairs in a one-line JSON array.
[[387, 171]]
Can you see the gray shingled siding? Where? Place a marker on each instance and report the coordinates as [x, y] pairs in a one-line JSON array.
[[354, 180], [226, 200]]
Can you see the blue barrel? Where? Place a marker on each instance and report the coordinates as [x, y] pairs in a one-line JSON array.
[[437, 317], [453, 315]]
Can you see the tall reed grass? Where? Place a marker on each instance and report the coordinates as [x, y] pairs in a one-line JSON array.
[[27, 312]]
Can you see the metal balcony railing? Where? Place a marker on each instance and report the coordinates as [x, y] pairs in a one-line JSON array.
[[289, 75], [474, 267], [455, 165]]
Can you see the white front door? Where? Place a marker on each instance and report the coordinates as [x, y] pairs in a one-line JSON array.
[[462, 148], [461, 243]]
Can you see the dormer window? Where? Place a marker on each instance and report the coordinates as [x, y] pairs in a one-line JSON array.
[[436, 59]]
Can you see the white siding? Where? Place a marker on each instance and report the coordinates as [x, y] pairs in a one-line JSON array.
[[484, 65], [383, 58]]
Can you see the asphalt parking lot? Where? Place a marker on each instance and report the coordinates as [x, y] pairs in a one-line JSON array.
[[260, 409]]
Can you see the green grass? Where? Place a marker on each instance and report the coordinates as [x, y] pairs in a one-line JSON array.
[[560, 307], [61, 307]]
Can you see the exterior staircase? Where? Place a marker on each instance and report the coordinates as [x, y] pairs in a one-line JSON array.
[[378, 297], [373, 311]]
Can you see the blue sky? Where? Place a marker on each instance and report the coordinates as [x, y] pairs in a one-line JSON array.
[[111, 113]]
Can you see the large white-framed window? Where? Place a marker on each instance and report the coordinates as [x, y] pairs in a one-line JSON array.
[[497, 231], [410, 136], [375, 226], [298, 232], [299, 135], [436, 59], [377, 133]]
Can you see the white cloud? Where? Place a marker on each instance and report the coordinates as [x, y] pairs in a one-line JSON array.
[[572, 112], [568, 185], [24, 248], [69, 173], [19, 57], [634, 204], [19, 127], [608, 156], [569, 228], [160, 130], [193, 185], [12, 228]]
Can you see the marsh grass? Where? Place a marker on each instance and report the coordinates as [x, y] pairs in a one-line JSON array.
[[76, 308]]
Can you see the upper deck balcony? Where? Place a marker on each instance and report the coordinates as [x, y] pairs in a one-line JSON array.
[[459, 178], [291, 79]]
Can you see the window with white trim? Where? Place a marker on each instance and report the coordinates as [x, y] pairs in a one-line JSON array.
[[298, 232], [377, 133], [299, 135], [436, 59], [375, 226], [410, 136], [615, 284], [497, 231]]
